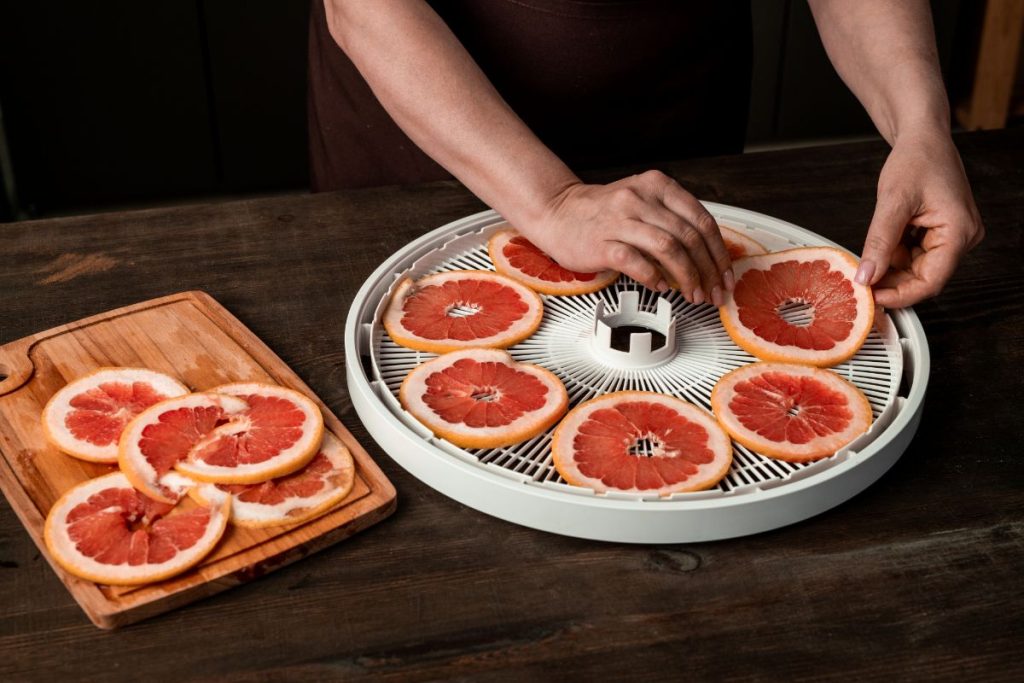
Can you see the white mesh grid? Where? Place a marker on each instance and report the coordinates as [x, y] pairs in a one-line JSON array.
[[562, 344]]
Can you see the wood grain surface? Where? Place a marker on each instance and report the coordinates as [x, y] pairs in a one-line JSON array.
[[192, 338], [919, 577]]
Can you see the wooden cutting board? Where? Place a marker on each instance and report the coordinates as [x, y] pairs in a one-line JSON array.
[[193, 338]]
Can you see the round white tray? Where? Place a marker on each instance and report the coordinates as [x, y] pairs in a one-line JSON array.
[[520, 484]]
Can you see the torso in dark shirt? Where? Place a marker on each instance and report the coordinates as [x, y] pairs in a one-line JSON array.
[[601, 82]]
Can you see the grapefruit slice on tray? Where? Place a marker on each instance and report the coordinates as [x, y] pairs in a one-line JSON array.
[[86, 417], [517, 257], [790, 412], [482, 398], [829, 314], [738, 244], [105, 531], [461, 309], [640, 442], [153, 443], [278, 432], [295, 497]]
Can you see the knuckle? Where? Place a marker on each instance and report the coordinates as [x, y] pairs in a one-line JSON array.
[[619, 255], [876, 243], [706, 223], [692, 240], [623, 197], [655, 177], [665, 243]]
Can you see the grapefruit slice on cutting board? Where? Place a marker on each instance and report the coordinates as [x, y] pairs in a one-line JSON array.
[[790, 412], [482, 398], [799, 306], [104, 530], [640, 442], [278, 432], [86, 417], [462, 309], [160, 436], [517, 257], [293, 498]]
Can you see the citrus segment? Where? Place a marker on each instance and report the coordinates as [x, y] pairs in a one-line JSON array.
[[296, 497], [829, 315], [739, 244], [85, 418], [640, 442], [482, 398], [461, 309], [277, 432], [517, 257], [790, 412], [153, 443], [105, 531]]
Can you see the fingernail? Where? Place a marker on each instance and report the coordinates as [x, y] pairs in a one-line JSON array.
[[716, 296], [729, 280], [864, 273], [662, 286], [698, 296]]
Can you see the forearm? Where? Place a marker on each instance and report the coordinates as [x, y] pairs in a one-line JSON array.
[[884, 50], [437, 94]]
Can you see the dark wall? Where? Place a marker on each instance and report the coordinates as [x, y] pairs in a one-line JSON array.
[[118, 102], [121, 101], [796, 93]]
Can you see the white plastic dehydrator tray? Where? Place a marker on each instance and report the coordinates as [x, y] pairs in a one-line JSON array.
[[520, 484]]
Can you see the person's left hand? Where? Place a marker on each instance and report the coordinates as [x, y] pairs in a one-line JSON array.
[[925, 221]]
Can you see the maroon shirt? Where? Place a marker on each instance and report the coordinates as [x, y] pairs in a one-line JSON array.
[[601, 82]]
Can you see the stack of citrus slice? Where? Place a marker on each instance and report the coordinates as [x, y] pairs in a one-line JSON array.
[[252, 453]]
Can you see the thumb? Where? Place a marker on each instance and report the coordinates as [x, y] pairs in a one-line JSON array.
[[891, 216]]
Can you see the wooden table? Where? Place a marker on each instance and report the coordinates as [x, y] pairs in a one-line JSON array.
[[918, 577]]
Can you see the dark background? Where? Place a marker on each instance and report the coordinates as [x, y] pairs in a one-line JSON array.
[[120, 103]]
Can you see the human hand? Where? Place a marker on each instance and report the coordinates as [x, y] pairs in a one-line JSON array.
[[925, 221], [645, 226]]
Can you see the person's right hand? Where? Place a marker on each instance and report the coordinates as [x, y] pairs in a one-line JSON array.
[[645, 226]]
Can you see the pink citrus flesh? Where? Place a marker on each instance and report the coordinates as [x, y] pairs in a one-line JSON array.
[[462, 309], [482, 398], [839, 314], [790, 412], [641, 442], [517, 257], [106, 531]]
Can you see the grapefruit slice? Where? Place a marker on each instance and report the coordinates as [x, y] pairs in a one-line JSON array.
[[640, 442], [517, 257], [85, 418], [163, 434], [278, 432], [462, 309], [838, 312], [482, 398], [790, 412], [738, 244], [296, 497], [103, 530]]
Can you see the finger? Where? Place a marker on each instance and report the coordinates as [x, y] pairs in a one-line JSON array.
[[680, 241], [629, 260], [661, 246], [684, 204], [892, 213], [930, 270]]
